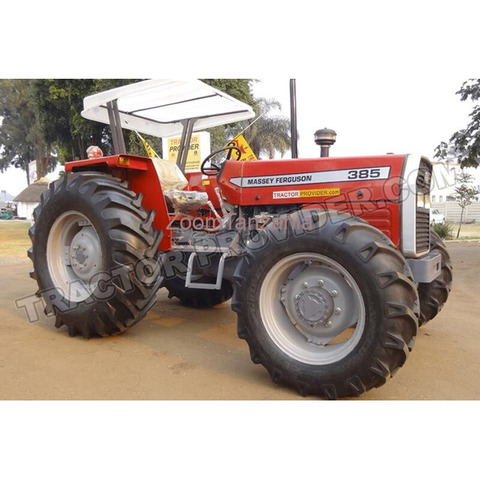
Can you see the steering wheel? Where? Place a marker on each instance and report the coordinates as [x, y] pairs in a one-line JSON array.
[[213, 169]]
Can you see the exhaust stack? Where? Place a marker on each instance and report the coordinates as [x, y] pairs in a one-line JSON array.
[[293, 118]]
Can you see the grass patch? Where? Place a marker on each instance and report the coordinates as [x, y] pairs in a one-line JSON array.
[[443, 230], [14, 239], [469, 231]]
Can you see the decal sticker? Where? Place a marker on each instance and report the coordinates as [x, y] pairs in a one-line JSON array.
[[288, 194], [318, 192], [331, 176], [322, 192]]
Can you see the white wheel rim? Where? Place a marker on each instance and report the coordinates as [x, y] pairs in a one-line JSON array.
[[74, 256], [297, 328]]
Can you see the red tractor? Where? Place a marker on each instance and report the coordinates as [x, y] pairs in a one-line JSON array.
[[330, 262]]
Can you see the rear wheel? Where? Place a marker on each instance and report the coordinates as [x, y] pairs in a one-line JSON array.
[[94, 254], [434, 295], [330, 311]]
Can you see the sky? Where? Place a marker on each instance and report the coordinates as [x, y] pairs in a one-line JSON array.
[[371, 116]]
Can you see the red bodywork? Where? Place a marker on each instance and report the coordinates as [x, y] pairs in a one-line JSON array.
[[334, 183], [141, 174], [368, 187]]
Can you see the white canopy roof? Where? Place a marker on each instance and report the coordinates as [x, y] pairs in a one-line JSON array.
[[157, 107]]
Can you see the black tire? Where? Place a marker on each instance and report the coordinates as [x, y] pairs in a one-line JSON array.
[[196, 297], [434, 295], [385, 288], [125, 268], [192, 297]]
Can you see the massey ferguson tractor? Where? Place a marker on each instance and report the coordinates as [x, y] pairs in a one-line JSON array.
[[329, 263]]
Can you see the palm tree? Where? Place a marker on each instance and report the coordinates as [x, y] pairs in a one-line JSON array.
[[269, 133]]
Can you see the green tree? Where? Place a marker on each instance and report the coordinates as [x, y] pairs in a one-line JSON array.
[[58, 105], [269, 133], [21, 140], [465, 194], [464, 145]]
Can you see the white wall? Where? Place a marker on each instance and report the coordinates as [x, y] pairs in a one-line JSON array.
[[25, 209], [452, 211]]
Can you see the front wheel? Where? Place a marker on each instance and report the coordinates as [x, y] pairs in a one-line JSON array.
[[331, 311], [434, 295]]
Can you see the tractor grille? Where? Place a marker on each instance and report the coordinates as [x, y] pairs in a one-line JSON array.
[[423, 208], [423, 230]]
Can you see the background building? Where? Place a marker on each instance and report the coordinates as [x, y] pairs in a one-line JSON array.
[[29, 198], [443, 196]]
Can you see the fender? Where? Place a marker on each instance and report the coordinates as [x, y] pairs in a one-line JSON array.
[[144, 180]]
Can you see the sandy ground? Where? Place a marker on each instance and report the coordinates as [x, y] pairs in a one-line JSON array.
[[179, 353]]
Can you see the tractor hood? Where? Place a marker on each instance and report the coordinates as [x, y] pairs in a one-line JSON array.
[[161, 107]]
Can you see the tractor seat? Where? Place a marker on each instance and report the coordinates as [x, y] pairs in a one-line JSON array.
[[184, 201], [173, 182]]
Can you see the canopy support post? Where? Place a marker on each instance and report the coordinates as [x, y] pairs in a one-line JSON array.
[[116, 128], [185, 143]]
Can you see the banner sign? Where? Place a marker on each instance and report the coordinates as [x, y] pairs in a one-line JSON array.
[[247, 154]]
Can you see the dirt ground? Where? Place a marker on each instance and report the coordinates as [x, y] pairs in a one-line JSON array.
[[179, 353]]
